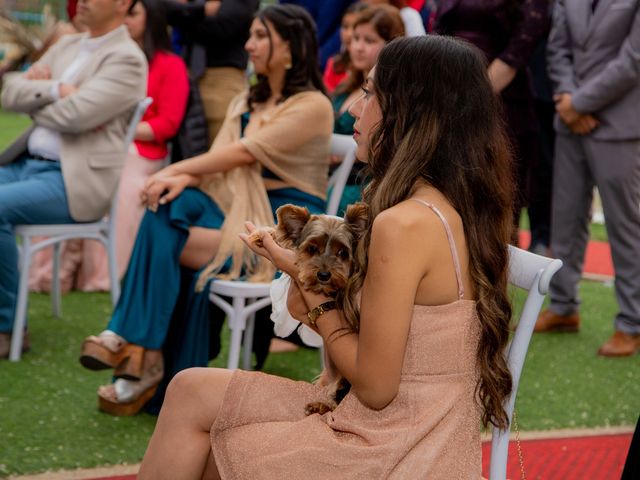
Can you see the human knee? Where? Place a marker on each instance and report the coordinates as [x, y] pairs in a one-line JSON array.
[[186, 383]]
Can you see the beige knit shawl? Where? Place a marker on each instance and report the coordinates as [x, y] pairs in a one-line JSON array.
[[293, 142]]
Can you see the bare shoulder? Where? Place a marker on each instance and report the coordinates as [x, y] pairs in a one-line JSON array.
[[406, 220], [401, 233]]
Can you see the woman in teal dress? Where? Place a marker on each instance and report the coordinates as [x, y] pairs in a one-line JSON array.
[[198, 206], [372, 30]]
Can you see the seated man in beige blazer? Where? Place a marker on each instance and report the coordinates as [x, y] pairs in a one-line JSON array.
[[65, 167]]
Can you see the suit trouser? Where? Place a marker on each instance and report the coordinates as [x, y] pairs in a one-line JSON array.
[[614, 167], [31, 192], [218, 86]]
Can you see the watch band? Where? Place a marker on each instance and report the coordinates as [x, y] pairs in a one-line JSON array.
[[316, 312]]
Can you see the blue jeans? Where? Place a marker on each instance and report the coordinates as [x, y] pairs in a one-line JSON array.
[[31, 192]]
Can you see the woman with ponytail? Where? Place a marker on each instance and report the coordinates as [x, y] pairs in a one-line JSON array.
[[421, 343]]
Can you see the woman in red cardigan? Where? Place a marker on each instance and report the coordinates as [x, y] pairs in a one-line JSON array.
[[168, 86]]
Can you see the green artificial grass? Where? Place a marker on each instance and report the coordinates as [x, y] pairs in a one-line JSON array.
[[48, 405], [565, 384], [11, 125]]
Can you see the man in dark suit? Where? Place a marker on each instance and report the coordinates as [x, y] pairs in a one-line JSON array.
[[594, 63]]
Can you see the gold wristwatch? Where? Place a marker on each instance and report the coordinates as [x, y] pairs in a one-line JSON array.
[[315, 313]]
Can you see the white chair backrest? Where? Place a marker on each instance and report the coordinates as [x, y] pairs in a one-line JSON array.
[[532, 273], [135, 119], [128, 140], [113, 211], [343, 146]]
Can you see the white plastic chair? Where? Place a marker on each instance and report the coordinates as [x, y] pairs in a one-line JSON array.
[[533, 273], [102, 230], [248, 298]]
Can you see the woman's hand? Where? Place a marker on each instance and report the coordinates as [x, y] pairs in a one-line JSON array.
[[161, 188], [296, 304], [283, 258], [335, 159], [500, 75], [211, 7]]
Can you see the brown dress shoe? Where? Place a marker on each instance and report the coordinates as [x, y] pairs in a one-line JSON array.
[[549, 321], [5, 343], [620, 345]]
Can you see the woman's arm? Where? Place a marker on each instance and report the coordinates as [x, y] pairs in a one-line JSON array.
[[169, 82], [398, 261], [372, 360], [168, 183], [220, 159], [144, 132], [528, 31]]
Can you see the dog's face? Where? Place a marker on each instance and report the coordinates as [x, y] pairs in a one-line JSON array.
[[324, 245]]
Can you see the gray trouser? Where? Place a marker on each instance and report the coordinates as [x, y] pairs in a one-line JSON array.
[[614, 167]]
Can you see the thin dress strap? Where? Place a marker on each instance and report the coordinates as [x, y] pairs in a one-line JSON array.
[[452, 244]]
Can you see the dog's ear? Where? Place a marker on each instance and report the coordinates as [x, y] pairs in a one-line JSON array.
[[291, 221], [357, 218]]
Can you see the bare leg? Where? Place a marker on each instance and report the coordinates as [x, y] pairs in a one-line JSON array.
[[211, 469], [200, 248], [180, 445]]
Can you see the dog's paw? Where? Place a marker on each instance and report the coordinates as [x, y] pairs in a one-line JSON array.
[[318, 407], [256, 236]]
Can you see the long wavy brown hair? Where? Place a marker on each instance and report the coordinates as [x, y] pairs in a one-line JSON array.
[[441, 124]]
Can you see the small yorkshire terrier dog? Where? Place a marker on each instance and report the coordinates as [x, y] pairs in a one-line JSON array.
[[324, 248]]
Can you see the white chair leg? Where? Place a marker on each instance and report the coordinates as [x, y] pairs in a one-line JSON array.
[[113, 270], [20, 318], [55, 281], [247, 347], [237, 325]]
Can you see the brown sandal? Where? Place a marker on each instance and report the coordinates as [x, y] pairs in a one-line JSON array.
[[127, 397], [109, 350]]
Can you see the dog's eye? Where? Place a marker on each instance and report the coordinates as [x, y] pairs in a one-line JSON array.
[[343, 254], [312, 249]]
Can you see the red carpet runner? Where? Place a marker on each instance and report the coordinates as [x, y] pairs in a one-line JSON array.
[[592, 458], [597, 259], [585, 458]]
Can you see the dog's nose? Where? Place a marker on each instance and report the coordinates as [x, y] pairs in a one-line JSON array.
[[323, 276]]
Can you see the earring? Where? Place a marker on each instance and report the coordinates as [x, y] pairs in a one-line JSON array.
[[287, 63]]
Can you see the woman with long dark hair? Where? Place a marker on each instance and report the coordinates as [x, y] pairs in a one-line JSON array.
[[422, 341], [273, 149], [373, 28], [336, 69], [168, 86]]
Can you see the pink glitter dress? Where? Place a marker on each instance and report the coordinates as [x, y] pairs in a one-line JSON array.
[[431, 430]]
